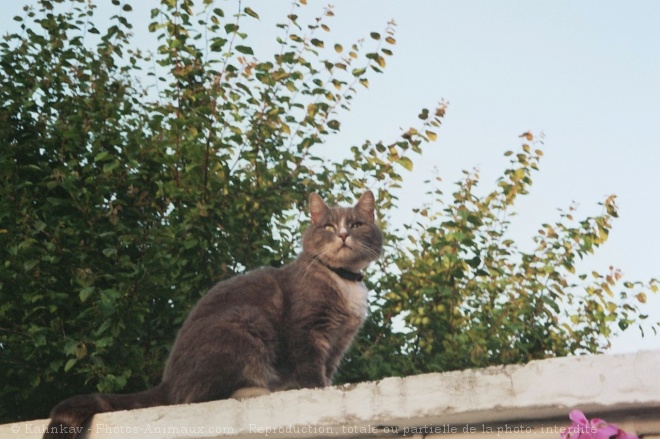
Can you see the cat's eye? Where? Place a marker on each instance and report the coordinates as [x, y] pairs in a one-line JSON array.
[[357, 224], [329, 227]]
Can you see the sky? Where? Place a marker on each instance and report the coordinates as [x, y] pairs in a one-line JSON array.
[[585, 74]]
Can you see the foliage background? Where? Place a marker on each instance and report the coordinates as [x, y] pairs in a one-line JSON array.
[[121, 205]]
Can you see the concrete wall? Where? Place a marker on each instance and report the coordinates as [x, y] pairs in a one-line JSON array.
[[512, 402]]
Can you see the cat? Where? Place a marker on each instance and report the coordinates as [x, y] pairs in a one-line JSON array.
[[267, 330]]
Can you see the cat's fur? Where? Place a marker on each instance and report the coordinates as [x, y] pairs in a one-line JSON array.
[[267, 330]]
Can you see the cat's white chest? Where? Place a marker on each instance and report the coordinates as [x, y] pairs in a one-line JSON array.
[[355, 296]]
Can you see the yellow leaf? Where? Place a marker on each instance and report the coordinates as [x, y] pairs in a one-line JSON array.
[[406, 163], [431, 135]]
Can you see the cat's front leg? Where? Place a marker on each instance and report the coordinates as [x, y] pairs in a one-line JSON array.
[[331, 367], [311, 375], [308, 358]]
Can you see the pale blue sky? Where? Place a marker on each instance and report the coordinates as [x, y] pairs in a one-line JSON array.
[[587, 74]]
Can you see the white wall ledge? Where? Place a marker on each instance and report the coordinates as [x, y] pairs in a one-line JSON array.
[[523, 401]]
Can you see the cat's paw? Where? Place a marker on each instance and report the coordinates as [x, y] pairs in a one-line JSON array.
[[249, 392]]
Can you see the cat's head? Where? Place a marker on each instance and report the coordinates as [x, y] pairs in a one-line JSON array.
[[343, 237]]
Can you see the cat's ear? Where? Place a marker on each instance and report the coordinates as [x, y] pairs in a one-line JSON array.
[[317, 208], [366, 205]]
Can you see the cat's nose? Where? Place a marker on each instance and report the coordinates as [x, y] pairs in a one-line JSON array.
[[343, 234]]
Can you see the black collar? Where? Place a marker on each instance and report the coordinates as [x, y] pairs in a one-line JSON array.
[[345, 274]]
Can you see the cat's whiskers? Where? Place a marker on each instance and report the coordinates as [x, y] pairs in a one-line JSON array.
[[369, 253]]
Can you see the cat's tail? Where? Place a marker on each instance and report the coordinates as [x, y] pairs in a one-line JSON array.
[[68, 418]]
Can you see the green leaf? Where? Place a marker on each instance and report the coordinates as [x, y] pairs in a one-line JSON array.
[[358, 72], [85, 293], [217, 44], [245, 50], [251, 13], [103, 156], [69, 364]]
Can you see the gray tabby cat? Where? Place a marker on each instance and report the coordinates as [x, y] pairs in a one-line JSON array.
[[267, 330]]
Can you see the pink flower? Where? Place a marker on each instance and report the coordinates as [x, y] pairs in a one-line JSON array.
[[597, 428]]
